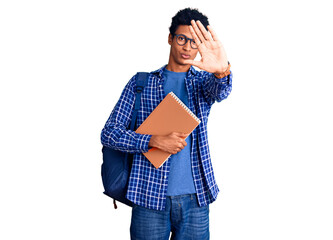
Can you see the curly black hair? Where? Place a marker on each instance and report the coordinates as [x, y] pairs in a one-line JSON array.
[[184, 17]]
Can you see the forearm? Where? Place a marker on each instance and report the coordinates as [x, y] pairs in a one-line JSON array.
[[116, 133], [217, 89], [118, 138]]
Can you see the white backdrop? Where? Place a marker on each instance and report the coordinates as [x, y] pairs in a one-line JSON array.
[[63, 65]]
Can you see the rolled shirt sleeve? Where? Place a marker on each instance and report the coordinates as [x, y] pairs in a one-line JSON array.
[[115, 133]]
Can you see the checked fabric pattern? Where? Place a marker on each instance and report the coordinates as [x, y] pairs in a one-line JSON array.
[[147, 185]]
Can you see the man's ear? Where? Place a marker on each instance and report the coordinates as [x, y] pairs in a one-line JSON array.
[[170, 39]]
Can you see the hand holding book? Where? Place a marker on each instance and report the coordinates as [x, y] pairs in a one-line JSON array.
[[172, 143]]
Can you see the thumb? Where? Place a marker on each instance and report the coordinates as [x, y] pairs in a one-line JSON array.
[[194, 63]]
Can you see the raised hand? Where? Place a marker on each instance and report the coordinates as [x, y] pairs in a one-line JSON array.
[[213, 55]]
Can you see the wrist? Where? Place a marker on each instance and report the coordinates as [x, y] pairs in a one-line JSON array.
[[223, 73], [153, 141]]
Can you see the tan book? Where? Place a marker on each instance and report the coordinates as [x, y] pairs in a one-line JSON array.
[[171, 115]]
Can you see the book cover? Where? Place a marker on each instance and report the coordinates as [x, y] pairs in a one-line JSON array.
[[171, 115]]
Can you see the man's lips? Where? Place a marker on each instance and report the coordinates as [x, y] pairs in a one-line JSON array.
[[185, 56]]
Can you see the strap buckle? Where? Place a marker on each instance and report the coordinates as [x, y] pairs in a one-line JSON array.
[[139, 89]]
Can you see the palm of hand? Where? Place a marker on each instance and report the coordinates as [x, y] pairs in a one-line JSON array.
[[213, 55]]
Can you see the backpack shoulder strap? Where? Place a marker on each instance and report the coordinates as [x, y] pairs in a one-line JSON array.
[[141, 81]]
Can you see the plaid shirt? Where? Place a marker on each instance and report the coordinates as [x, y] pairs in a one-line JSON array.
[[148, 186]]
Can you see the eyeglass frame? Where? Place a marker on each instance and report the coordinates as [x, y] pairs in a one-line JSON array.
[[186, 40]]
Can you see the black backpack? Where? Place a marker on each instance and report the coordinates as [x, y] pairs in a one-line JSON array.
[[116, 166]]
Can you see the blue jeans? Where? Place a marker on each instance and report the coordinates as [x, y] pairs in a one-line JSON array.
[[183, 217]]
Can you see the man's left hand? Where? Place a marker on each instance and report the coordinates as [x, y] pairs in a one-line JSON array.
[[213, 55]]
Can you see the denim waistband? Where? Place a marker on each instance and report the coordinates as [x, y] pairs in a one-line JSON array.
[[192, 196]]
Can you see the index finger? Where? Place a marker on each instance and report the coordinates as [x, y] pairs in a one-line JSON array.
[[180, 134], [194, 35], [197, 31]]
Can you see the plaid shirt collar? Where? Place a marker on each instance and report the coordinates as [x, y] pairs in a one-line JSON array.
[[191, 73]]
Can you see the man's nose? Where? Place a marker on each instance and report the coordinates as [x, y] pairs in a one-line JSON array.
[[187, 46]]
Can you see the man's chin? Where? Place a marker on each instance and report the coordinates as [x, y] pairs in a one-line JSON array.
[[183, 63]]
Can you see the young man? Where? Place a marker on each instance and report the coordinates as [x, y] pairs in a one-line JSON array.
[[174, 198]]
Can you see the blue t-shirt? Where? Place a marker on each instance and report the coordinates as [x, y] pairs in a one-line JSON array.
[[180, 177]]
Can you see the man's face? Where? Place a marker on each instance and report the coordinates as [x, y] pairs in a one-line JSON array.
[[180, 53]]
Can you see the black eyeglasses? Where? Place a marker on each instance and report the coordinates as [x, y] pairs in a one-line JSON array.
[[181, 39]]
